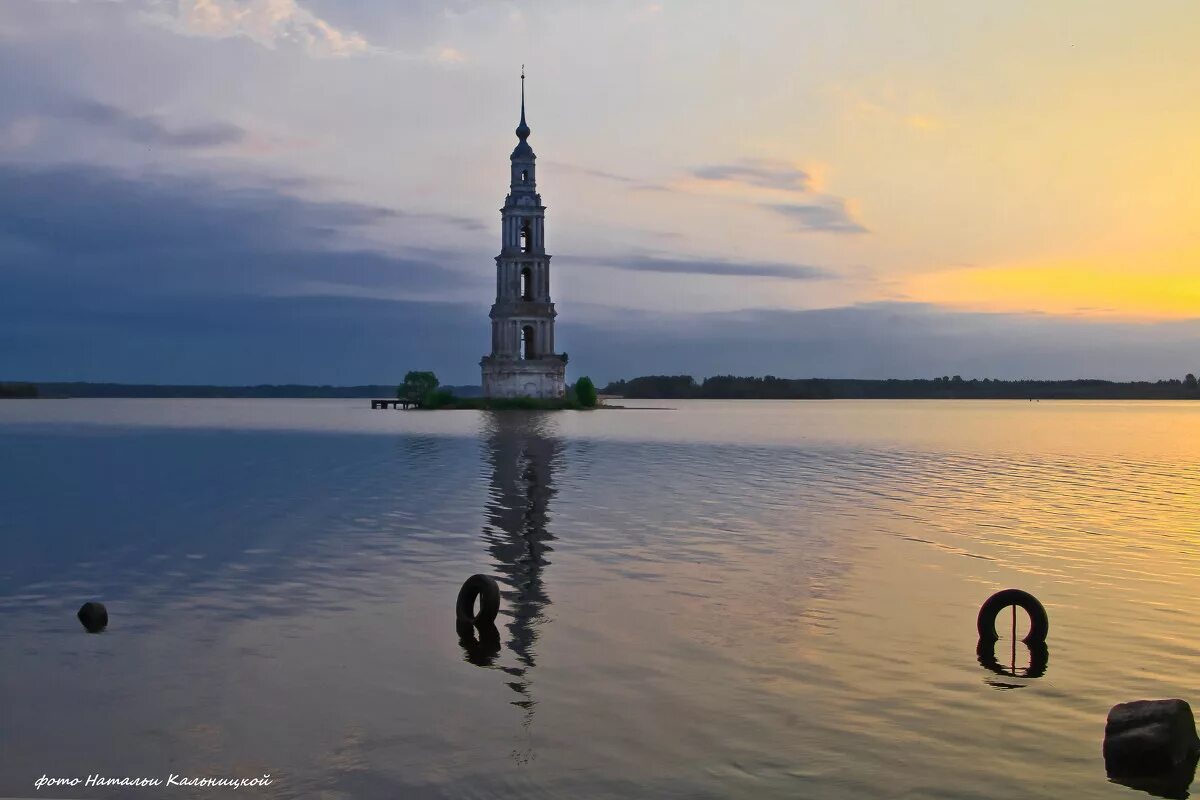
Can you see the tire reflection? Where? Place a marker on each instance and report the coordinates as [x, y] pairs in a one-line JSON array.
[[480, 643], [1039, 661]]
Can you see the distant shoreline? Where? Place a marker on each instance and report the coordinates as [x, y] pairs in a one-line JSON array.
[[730, 387], [82, 389]]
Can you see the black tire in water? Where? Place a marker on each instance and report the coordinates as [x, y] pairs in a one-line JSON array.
[[94, 616], [487, 590], [1039, 623]]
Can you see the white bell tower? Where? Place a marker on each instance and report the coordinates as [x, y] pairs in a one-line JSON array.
[[523, 362]]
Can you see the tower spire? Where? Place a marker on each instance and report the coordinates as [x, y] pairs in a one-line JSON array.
[[522, 129]]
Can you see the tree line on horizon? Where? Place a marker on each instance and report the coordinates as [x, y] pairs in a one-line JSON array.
[[681, 387], [770, 387], [265, 391], [18, 391]]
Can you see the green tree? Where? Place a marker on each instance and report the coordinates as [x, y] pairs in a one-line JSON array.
[[417, 387], [1189, 381], [585, 392]]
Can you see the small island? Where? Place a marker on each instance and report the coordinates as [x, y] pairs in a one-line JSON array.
[[421, 390]]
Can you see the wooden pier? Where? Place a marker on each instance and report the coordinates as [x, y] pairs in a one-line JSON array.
[[392, 404]]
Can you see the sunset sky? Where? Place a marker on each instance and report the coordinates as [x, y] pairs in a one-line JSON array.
[[246, 191]]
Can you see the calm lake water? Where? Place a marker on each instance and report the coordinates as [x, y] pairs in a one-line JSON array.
[[723, 599]]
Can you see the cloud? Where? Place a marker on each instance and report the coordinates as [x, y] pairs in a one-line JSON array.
[[878, 340], [20, 132], [104, 276], [711, 266], [286, 23], [811, 210], [923, 122], [1151, 283], [167, 234], [633, 183], [270, 23], [467, 224], [760, 173], [68, 332], [888, 106], [236, 338], [828, 215], [449, 55], [150, 129]]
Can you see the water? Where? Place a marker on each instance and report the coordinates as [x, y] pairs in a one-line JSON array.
[[742, 599]]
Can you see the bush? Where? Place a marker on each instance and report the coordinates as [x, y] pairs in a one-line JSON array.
[[585, 392], [438, 398], [417, 387]]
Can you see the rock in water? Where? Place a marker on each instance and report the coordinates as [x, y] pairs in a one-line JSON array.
[[1147, 737], [94, 616]]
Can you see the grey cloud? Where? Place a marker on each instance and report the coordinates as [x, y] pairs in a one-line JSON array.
[[169, 234], [714, 266], [820, 212], [220, 337], [882, 340], [830, 216], [66, 332], [150, 129], [761, 173], [462, 223], [633, 183]]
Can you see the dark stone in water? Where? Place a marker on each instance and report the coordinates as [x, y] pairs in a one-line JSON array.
[[1149, 737], [94, 616]]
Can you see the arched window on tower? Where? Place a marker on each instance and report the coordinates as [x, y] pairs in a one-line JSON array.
[[527, 348], [527, 284], [526, 238], [524, 176]]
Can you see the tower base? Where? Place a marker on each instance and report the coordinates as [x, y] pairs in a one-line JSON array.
[[534, 377]]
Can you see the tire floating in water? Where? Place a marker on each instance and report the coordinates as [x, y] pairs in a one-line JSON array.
[[487, 590], [1039, 623], [94, 616]]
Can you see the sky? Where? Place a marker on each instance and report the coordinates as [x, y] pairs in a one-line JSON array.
[[269, 191]]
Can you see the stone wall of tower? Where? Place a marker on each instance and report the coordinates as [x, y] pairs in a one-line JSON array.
[[545, 378]]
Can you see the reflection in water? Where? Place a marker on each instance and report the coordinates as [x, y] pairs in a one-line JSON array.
[[768, 586], [1039, 660], [1173, 785], [480, 642], [520, 455]]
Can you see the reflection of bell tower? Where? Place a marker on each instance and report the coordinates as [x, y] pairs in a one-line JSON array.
[[522, 362], [521, 454]]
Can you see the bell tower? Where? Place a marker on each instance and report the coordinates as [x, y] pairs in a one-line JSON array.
[[523, 362]]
